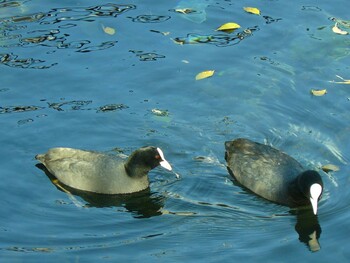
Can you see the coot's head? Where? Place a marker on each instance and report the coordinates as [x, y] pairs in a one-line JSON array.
[[311, 185], [141, 161]]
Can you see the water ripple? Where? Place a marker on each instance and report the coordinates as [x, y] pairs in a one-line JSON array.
[[149, 19], [53, 30], [220, 40]]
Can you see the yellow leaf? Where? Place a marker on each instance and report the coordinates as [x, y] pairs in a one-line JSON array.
[[108, 30], [330, 168], [338, 31], [205, 74], [229, 27], [252, 10], [318, 92]]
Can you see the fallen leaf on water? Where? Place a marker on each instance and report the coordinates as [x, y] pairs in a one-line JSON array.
[[228, 27], [330, 168], [318, 92], [344, 81], [338, 31], [252, 10], [108, 30], [205, 74], [184, 10]]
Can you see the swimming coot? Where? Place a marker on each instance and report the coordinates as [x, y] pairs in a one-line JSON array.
[[103, 173], [272, 174]]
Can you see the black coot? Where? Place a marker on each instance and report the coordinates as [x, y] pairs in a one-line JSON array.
[[272, 174]]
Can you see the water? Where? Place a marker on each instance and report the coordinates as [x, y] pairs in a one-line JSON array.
[[66, 82]]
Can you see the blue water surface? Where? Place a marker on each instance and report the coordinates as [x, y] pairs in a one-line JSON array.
[[115, 76]]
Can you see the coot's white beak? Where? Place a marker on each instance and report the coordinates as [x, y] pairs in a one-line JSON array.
[[315, 192], [164, 163]]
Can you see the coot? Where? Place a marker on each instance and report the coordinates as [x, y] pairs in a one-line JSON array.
[[272, 174], [103, 173]]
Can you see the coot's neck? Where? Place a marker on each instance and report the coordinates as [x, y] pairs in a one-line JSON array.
[[134, 168]]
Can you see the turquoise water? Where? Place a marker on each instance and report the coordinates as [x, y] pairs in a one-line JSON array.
[[69, 80]]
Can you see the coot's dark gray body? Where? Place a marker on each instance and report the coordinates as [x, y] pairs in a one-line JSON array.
[[270, 173]]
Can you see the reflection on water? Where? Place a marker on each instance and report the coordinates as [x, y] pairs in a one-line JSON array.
[[12, 109], [307, 225], [308, 228], [53, 29], [147, 56], [220, 40], [63, 106], [141, 204], [12, 60], [149, 19], [197, 14]]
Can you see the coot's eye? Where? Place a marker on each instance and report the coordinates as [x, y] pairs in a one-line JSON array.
[[157, 157]]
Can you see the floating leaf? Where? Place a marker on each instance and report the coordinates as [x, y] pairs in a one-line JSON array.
[[108, 30], [330, 168], [205, 74], [252, 10], [228, 27], [338, 31], [318, 92], [344, 81]]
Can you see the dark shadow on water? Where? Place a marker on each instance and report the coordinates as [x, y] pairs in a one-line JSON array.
[[142, 204], [308, 228]]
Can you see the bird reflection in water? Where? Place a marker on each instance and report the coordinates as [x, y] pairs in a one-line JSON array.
[[308, 228]]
